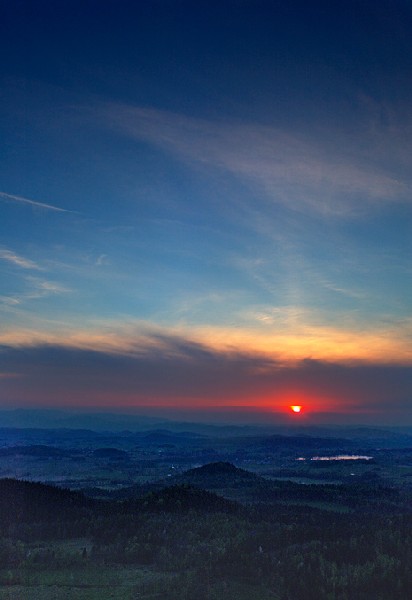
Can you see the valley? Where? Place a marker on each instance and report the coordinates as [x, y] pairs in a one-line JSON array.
[[176, 513]]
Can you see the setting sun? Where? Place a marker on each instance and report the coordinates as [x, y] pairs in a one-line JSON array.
[[296, 408]]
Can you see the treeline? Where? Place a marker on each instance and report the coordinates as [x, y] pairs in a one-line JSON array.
[[205, 547]]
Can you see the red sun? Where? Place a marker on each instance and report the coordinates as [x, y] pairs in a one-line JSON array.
[[296, 408]]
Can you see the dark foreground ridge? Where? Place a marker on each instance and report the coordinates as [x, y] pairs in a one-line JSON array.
[[183, 543], [28, 502]]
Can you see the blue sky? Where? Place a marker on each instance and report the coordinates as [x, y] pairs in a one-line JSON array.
[[207, 204]]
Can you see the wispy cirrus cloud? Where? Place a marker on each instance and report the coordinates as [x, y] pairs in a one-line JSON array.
[[297, 171], [19, 261], [102, 260], [42, 288], [9, 300], [36, 288], [33, 203]]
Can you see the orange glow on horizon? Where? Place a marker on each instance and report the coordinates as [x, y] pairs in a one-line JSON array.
[[296, 408]]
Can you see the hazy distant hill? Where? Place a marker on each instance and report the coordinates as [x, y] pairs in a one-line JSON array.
[[35, 450], [28, 421], [300, 442], [161, 437], [111, 453]]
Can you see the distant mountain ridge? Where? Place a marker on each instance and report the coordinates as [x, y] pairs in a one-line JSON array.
[[131, 423], [39, 450]]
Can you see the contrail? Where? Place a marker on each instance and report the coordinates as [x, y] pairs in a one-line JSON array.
[[31, 202]]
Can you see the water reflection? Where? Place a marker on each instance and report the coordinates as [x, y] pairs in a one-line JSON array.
[[339, 457]]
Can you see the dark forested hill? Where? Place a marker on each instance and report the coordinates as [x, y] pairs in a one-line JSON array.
[[219, 475], [242, 486], [181, 498], [196, 544], [28, 502]]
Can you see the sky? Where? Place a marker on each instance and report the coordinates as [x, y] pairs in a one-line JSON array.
[[207, 205]]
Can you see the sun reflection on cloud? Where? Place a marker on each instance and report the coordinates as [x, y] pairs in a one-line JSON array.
[[315, 343]]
